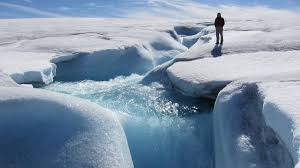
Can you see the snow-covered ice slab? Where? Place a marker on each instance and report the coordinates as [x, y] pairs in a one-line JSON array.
[[43, 129], [28, 67], [281, 112], [206, 77], [257, 125]]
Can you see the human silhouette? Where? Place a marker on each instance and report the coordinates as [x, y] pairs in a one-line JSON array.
[[219, 24]]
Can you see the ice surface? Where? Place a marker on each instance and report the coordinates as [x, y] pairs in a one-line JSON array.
[[241, 36], [28, 67], [281, 112], [206, 77], [5, 80], [106, 64], [243, 137], [31, 46], [255, 123], [43, 129]]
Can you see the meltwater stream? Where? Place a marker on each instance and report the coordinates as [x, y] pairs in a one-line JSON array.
[[163, 128]]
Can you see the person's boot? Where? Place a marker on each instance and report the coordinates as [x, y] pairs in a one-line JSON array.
[[221, 42], [217, 42]]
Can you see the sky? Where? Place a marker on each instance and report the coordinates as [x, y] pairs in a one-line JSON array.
[[127, 8]]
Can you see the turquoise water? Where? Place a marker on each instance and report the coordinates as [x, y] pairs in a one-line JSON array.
[[163, 128]]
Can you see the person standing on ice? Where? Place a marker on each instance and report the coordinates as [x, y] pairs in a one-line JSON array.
[[219, 24]]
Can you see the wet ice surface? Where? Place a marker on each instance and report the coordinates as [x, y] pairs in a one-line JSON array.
[[163, 128]]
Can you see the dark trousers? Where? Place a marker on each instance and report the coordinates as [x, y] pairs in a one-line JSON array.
[[219, 32]]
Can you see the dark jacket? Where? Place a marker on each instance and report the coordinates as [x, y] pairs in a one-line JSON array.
[[219, 22]]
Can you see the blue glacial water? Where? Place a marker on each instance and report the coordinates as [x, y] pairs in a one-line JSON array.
[[164, 129]]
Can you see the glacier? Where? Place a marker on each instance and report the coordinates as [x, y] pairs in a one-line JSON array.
[[41, 51], [254, 117], [247, 36], [253, 79], [48, 42]]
